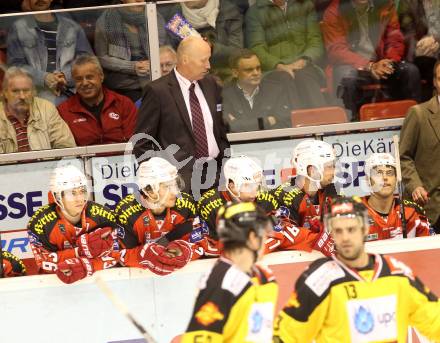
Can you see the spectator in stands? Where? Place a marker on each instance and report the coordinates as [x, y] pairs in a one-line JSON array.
[[420, 151], [95, 114], [365, 45], [45, 45], [168, 59], [253, 102], [221, 24], [420, 24], [27, 122], [121, 44], [285, 36]]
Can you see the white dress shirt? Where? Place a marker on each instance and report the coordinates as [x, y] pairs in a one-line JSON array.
[[184, 83]]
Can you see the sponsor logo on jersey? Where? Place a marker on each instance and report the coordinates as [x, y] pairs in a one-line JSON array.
[[114, 115], [373, 319], [260, 322], [120, 231], [33, 239], [363, 320], [196, 235], [208, 314], [146, 220], [282, 212], [67, 245], [79, 120], [372, 237], [43, 221]]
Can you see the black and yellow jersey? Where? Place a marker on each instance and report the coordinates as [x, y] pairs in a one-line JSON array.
[[233, 306], [334, 303]]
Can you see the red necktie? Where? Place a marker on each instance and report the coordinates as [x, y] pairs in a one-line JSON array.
[[198, 124]]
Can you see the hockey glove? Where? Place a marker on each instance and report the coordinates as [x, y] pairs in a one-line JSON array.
[[157, 258], [325, 244], [181, 252], [74, 269], [96, 243]]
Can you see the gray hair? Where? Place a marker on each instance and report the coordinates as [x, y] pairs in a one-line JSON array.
[[85, 59], [12, 72], [169, 48]]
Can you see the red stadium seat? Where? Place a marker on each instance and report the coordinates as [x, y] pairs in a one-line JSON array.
[[318, 116], [385, 110]]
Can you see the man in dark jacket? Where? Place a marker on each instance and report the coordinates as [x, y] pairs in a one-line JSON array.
[[252, 102]]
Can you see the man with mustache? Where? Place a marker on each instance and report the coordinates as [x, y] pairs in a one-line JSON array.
[[355, 296], [28, 122], [384, 207], [95, 114]]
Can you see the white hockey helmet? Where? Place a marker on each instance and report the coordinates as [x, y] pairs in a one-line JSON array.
[[379, 159], [311, 152], [66, 178], [157, 170], [243, 170]]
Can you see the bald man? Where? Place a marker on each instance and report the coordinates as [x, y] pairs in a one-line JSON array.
[[184, 108]]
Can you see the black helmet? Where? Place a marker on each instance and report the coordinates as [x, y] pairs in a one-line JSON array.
[[346, 207], [236, 220]]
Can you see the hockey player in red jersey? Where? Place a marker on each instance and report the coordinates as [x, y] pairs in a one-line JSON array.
[[245, 182], [384, 206], [157, 222], [310, 192], [72, 237], [305, 198]]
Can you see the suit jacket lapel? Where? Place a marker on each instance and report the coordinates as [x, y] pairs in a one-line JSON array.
[[180, 101], [434, 116]]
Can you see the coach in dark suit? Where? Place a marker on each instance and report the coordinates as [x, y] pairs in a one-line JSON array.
[[184, 108]]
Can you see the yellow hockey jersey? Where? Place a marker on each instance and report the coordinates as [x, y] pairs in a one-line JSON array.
[[333, 303], [233, 306]]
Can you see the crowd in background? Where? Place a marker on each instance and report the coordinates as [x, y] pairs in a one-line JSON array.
[[270, 56]]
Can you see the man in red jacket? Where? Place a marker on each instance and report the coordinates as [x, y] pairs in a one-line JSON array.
[[95, 114], [365, 45]]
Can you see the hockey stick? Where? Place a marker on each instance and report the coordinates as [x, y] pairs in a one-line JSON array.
[[122, 308], [399, 184]]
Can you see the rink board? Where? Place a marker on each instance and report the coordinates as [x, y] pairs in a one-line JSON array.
[[41, 309]]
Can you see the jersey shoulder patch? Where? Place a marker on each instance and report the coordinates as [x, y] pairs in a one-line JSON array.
[[100, 214], [321, 274], [235, 281], [43, 218], [186, 205], [398, 267], [128, 210], [289, 195]]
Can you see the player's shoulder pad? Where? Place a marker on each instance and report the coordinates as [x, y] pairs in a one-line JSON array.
[[186, 205], [263, 273], [128, 209], [209, 202], [320, 275], [289, 195], [235, 280], [128, 201], [18, 267], [397, 267], [43, 219], [101, 214], [268, 201]]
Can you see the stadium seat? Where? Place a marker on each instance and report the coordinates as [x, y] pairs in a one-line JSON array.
[[385, 110], [318, 116]]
